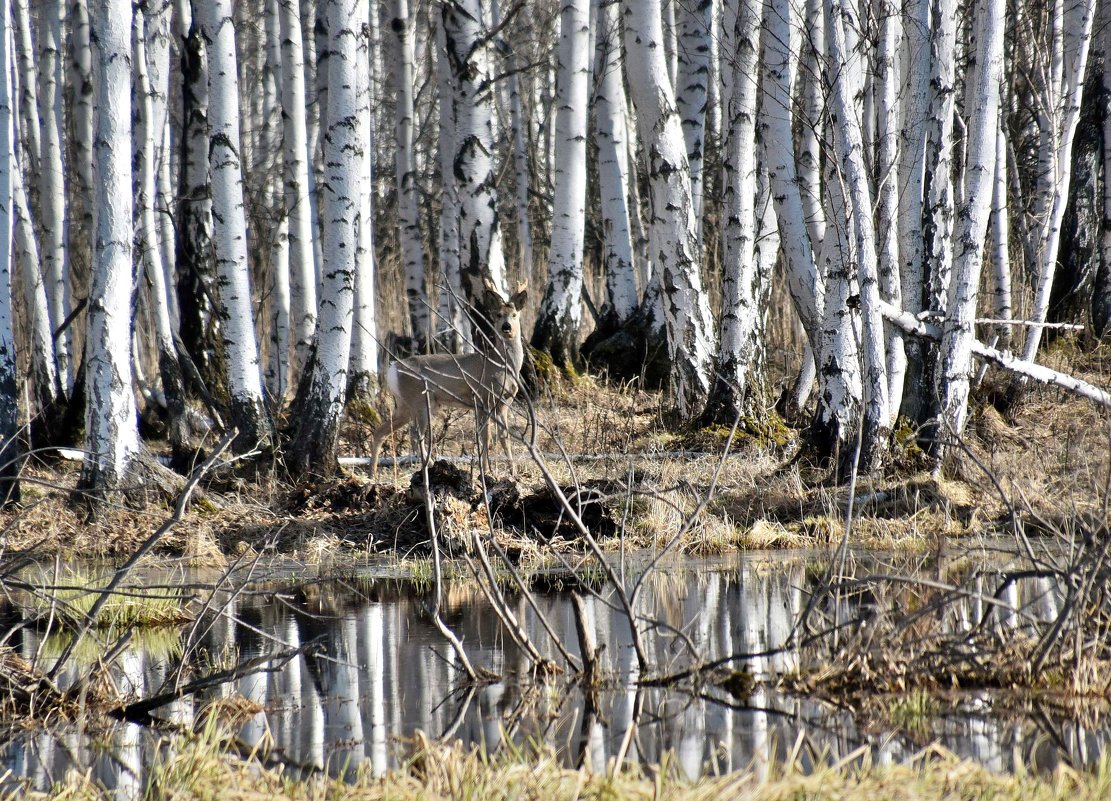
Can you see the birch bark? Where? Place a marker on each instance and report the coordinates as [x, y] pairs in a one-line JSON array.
[[557, 327], [321, 394], [248, 411], [111, 431]]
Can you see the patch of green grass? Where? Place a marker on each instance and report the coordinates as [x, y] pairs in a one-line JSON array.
[[913, 711], [72, 598]]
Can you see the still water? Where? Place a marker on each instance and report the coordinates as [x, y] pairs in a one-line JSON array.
[[382, 671]]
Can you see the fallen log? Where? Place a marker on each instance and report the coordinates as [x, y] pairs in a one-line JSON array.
[[912, 325]]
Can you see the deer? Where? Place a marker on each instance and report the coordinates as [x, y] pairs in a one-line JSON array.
[[485, 382]]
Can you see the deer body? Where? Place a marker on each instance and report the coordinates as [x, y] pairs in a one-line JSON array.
[[485, 382]]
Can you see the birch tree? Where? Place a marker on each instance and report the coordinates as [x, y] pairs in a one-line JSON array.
[[247, 409], [146, 236], [322, 391], [679, 292], [1059, 114], [467, 47], [610, 114], [958, 329], [298, 207], [9, 392], [362, 378], [111, 432], [451, 324], [80, 143], [692, 90], [740, 310], [52, 178], [408, 200], [557, 327], [194, 255]]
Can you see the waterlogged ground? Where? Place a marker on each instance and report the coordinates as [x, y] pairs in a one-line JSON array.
[[380, 671]]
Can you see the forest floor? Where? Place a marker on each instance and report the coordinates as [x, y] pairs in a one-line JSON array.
[[1041, 462]]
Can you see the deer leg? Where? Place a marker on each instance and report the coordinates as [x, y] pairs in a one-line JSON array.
[[400, 417], [502, 419]]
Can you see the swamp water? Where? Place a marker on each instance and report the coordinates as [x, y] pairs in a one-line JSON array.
[[380, 670]]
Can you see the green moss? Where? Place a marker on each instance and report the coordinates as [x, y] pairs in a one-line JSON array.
[[362, 411], [767, 432]]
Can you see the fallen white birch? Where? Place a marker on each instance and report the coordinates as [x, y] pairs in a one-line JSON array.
[[912, 325]]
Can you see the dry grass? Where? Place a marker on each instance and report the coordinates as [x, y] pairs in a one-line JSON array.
[[201, 769], [1049, 454]]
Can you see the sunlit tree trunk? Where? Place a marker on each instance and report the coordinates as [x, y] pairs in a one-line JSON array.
[[248, 411], [613, 171], [323, 387], [146, 239], [887, 192], [849, 142], [298, 208], [158, 19], [803, 280], [45, 386], [52, 193], [30, 132], [958, 328], [362, 378], [111, 431], [692, 91], [408, 199], [276, 229], [468, 52], [1001, 304], [557, 327], [674, 237], [1058, 118], [9, 391], [196, 261], [80, 143], [740, 310], [913, 114]]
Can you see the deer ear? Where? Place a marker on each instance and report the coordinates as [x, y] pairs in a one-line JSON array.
[[518, 301]]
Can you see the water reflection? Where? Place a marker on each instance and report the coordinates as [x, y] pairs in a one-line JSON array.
[[383, 671]]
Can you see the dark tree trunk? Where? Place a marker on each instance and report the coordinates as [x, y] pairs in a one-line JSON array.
[[196, 264], [1078, 267]]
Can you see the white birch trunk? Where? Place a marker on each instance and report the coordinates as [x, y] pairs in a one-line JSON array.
[[468, 53], [940, 201], [248, 412], [111, 432], [44, 373], [30, 133], [277, 233], [80, 142], [408, 200], [52, 193], [812, 87], [158, 64], [9, 390], [557, 327], [803, 279], [674, 231], [1071, 60], [362, 380], [323, 389], [613, 169], [740, 312], [850, 150], [298, 208], [958, 328], [692, 91], [887, 192], [1001, 304]]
